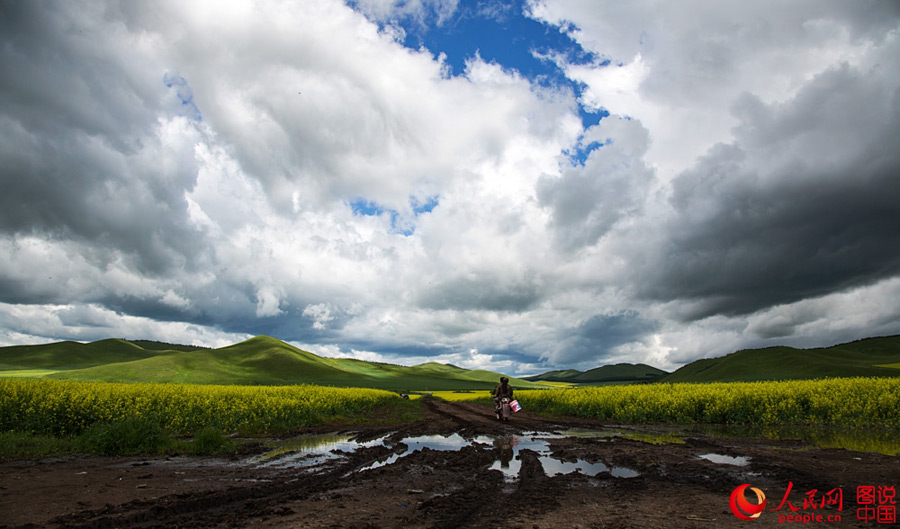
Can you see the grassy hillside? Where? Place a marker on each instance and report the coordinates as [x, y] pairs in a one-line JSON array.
[[151, 345], [258, 361], [74, 355], [609, 374], [872, 357], [563, 375]]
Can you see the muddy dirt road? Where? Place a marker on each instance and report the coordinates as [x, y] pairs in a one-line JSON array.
[[458, 469]]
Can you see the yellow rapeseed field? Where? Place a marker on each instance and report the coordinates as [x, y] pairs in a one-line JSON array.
[[839, 401], [68, 408]]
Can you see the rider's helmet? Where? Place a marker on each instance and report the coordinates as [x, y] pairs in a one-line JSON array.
[[504, 380]]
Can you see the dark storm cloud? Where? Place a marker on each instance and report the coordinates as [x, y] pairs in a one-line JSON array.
[[806, 202], [83, 154], [290, 325], [59, 72], [491, 292], [399, 350], [595, 339]]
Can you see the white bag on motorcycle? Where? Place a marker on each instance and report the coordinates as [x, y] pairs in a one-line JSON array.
[[514, 406]]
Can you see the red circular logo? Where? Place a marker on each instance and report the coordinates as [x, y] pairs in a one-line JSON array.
[[742, 508]]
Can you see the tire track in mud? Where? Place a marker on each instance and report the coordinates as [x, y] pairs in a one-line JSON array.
[[486, 498], [215, 508], [491, 501], [477, 419], [206, 509]]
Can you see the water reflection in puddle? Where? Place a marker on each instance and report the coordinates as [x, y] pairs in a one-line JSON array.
[[739, 461], [311, 450], [451, 443], [307, 452], [510, 461]]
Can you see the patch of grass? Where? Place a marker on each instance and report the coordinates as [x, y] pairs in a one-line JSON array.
[[126, 437], [461, 395], [652, 438], [114, 439], [21, 445], [26, 373], [212, 441]]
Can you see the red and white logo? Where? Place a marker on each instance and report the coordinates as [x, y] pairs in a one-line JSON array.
[[742, 508]]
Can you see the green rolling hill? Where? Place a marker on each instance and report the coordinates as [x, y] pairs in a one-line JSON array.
[[871, 357], [562, 375], [257, 361], [74, 355], [608, 374]]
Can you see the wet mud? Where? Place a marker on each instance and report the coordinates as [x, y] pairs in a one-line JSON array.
[[459, 468]]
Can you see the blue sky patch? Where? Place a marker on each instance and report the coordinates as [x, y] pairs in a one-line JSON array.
[[185, 95], [423, 207], [501, 33], [399, 224], [365, 207]]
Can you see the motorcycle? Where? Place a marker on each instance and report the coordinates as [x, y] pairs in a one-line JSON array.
[[504, 410]]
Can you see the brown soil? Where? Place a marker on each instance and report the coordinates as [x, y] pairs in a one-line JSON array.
[[443, 489]]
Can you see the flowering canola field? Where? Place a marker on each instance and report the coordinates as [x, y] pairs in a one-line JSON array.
[[69, 408], [838, 401]]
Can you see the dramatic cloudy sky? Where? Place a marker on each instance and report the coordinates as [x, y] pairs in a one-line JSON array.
[[514, 186]]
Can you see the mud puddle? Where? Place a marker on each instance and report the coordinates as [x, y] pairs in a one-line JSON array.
[[720, 459], [309, 452], [509, 461], [440, 443]]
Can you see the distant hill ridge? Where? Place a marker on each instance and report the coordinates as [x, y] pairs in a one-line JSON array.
[[608, 374], [262, 360], [869, 357], [73, 355], [265, 360]]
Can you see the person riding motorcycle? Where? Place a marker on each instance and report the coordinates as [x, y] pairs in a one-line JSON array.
[[500, 391]]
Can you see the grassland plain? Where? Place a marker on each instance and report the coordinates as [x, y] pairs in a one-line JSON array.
[[855, 401]]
